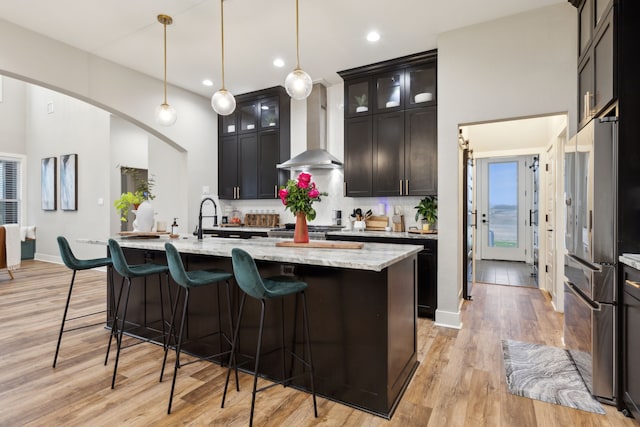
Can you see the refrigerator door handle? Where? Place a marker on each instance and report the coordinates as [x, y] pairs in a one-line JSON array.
[[593, 305], [589, 265]]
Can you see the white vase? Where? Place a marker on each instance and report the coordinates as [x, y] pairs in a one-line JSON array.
[[144, 217]]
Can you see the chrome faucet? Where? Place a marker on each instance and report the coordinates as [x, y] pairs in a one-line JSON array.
[[215, 216]]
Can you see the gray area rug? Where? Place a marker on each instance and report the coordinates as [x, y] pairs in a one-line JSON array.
[[548, 374]]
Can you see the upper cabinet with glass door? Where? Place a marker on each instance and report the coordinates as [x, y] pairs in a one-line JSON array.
[[357, 97], [389, 91], [269, 114], [420, 83], [228, 124], [247, 116]]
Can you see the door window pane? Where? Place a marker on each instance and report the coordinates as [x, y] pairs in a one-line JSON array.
[[503, 205]]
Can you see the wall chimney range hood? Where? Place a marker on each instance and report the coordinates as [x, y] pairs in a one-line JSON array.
[[316, 156]]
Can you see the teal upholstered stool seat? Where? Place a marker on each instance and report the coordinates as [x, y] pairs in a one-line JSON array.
[[76, 265], [129, 272], [188, 280], [277, 287]]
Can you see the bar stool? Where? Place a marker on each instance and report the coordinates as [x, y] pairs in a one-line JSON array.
[[129, 272], [188, 280], [249, 280], [76, 265]]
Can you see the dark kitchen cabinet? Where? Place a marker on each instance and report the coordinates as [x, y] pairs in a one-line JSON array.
[[252, 141], [427, 299], [397, 100], [358, 156], [596, 60], [421, 152], [388, 154], [630, 341]]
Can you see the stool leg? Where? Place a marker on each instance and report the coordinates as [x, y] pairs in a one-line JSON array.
[[114, 324], [172, 330], [120, 333], [164, 333], [64, 318], [284, 383], [231, 329], [232, 359], [179, 345], [255, 372], [308, 340]]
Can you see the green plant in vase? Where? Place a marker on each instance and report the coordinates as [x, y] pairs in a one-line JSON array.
[[362, 104], [126, 202], [427, 208]]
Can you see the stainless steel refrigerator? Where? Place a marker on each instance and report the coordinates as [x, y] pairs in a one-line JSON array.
[[591, 259]]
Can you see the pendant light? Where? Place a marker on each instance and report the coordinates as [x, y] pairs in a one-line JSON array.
[[223, 101], [298, 83], [165, 113]]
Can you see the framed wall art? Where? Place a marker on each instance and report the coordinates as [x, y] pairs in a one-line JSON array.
[[69, 182], [48, 177]]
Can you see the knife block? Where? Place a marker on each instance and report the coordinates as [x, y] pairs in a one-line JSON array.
[[398, 222]]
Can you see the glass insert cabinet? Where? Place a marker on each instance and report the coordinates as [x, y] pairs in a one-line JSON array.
[[391, 90]]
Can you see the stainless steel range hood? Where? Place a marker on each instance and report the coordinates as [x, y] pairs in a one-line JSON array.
[[316, 156]]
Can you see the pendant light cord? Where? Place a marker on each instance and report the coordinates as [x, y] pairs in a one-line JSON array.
[[165, 62], [297, 39], [222, 36]]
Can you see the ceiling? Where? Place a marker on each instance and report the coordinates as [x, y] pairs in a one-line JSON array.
[[332, 34]]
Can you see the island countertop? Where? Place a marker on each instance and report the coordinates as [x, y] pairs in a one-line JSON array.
[[372, 256]]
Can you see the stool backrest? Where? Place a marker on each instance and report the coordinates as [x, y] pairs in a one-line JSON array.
[[176, 267], [246, 274], [67, 255], [119, 261]]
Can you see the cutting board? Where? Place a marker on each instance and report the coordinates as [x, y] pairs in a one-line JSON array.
[[416, 231], [142, 234], [323, 244], [377, 223]]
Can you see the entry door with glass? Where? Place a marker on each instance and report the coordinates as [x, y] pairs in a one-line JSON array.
[[502, 208]]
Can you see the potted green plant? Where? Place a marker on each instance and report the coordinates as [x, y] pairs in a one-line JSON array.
[[127, 202], [428, 210], [361, 103], [131, 200]]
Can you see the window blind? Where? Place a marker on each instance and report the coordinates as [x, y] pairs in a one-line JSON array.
[[9, 191]]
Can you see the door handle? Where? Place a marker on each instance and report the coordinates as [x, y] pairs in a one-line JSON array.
[[406, 187], [632, 283], [401, 187]]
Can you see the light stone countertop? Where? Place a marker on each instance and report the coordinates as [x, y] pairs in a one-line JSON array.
[[632, 260], [372, 256], [384, 234]]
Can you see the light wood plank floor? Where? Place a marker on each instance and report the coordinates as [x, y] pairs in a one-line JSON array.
[[460, 380]]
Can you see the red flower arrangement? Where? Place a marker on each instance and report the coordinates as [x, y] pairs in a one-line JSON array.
[[298, 195]]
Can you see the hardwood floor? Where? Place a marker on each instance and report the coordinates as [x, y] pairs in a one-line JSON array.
[[460, 380]]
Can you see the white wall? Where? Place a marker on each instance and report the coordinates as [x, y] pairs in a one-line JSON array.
[[12, 109], [519, 66], [73, 127], [122, 91]]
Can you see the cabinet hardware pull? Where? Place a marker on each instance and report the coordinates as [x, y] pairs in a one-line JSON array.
[[234, 235], [406, 187], [344, 188], [632, 283], [401, 187], [238, 192], [275, 191]]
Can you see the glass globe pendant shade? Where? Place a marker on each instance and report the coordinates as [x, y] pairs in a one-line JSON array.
[[166, 115], [223, 102], [298, 84]]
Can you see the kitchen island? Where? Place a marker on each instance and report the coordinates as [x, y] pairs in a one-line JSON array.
[[362, 310]]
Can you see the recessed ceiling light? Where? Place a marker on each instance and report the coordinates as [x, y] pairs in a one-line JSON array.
[[207, 82], [373, 36], [278, 62]]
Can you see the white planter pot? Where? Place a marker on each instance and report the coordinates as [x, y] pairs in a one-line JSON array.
[[144, 217]]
